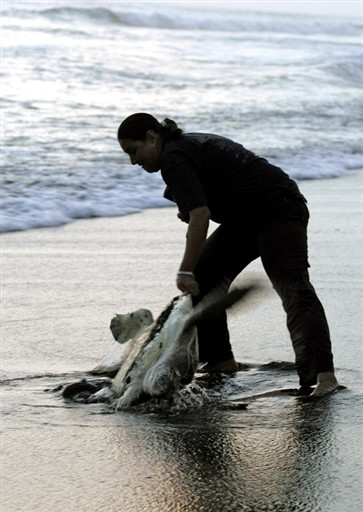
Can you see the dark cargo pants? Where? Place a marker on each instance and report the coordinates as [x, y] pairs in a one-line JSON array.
[[279, 238]]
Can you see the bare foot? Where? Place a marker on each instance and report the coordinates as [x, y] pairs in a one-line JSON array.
[[327, 384], [228, 366]]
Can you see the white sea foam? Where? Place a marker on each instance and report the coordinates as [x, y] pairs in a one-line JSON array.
[[287, 87]]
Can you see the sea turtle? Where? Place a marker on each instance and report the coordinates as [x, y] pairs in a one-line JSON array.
[[165, 356]]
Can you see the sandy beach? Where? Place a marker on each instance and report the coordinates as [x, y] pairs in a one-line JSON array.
[[61, 287]]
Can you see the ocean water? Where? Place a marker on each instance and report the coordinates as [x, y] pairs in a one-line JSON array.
[[288, 87]]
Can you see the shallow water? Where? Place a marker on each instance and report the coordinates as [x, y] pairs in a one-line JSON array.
[[281, 453]]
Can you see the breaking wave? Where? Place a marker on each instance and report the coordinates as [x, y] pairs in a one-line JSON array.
[[150, 16]]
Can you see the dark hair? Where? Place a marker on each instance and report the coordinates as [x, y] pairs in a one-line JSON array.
[[136, 126]]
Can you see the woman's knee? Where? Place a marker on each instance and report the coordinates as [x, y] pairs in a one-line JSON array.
[[292, 285]]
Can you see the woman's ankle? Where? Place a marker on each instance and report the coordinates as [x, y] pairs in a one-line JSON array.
[[328, 377]]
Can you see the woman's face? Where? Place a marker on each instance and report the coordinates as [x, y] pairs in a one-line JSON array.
[[145, 153]]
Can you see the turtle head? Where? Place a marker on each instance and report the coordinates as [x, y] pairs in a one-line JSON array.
[[161, 380], [130, 325]]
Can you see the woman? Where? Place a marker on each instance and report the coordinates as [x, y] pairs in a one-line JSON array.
[[260, 212]]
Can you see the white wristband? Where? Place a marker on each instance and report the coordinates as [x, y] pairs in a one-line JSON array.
[[185, 273]]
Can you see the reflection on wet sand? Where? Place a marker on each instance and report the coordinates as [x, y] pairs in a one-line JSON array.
[[223, 461]]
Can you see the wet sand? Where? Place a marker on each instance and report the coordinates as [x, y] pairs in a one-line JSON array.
[[60, 288]]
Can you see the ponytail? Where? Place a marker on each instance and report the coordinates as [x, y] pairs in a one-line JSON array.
[[170, 130]]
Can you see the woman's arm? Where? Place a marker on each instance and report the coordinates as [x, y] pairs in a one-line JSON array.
[[196, 237]]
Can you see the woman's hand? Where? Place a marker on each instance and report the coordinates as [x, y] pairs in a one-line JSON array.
[[187, 284]]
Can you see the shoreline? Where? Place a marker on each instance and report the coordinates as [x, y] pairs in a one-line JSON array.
[[167, 206]]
